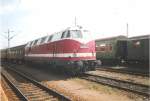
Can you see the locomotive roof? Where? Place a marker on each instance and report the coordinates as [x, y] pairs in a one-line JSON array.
[[74, 28]]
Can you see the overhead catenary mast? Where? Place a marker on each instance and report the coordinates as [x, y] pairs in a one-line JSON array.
[[75, 21], [8, 37], [127, 32]]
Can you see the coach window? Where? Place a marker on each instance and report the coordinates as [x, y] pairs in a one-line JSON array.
[[136, 44]]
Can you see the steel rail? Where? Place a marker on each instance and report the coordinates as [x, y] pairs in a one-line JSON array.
[[50, 91], [125, 85], [123, 71], [15, 88]]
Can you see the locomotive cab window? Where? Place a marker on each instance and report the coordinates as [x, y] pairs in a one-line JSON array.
[[72, 34], [87, 35], [75, 33], [64, 34]]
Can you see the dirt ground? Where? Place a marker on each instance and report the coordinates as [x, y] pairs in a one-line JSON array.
[[3, 97], [79, 89], [82, 90]]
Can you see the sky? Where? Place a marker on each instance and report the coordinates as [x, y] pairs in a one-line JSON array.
[[31, 19]]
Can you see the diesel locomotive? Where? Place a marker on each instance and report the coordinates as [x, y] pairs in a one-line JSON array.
[[71, 50]]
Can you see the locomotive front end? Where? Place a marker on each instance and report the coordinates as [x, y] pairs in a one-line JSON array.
[[81, 45]]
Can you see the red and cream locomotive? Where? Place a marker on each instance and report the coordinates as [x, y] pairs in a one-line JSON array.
[[71, 50]]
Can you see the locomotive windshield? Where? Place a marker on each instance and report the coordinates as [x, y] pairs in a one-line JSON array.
[[72, 34], [76, 33]]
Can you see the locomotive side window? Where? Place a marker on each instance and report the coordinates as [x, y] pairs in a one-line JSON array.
[[50, 38], [32, 43], [29, 44], [43, 40], [38, 42], [57, 36], [35, 42]]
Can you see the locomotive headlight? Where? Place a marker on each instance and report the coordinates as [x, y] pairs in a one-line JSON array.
[[93, 54], [83, 46], [74, 54]]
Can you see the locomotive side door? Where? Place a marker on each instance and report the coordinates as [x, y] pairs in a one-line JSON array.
[[56, 46], [54, 51]]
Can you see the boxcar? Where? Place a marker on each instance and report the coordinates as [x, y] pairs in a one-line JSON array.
[[111, 50], [138, 49]]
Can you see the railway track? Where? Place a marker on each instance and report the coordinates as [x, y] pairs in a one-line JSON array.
[[125, 85], [10, 90], [123, 71], [29, 89]]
